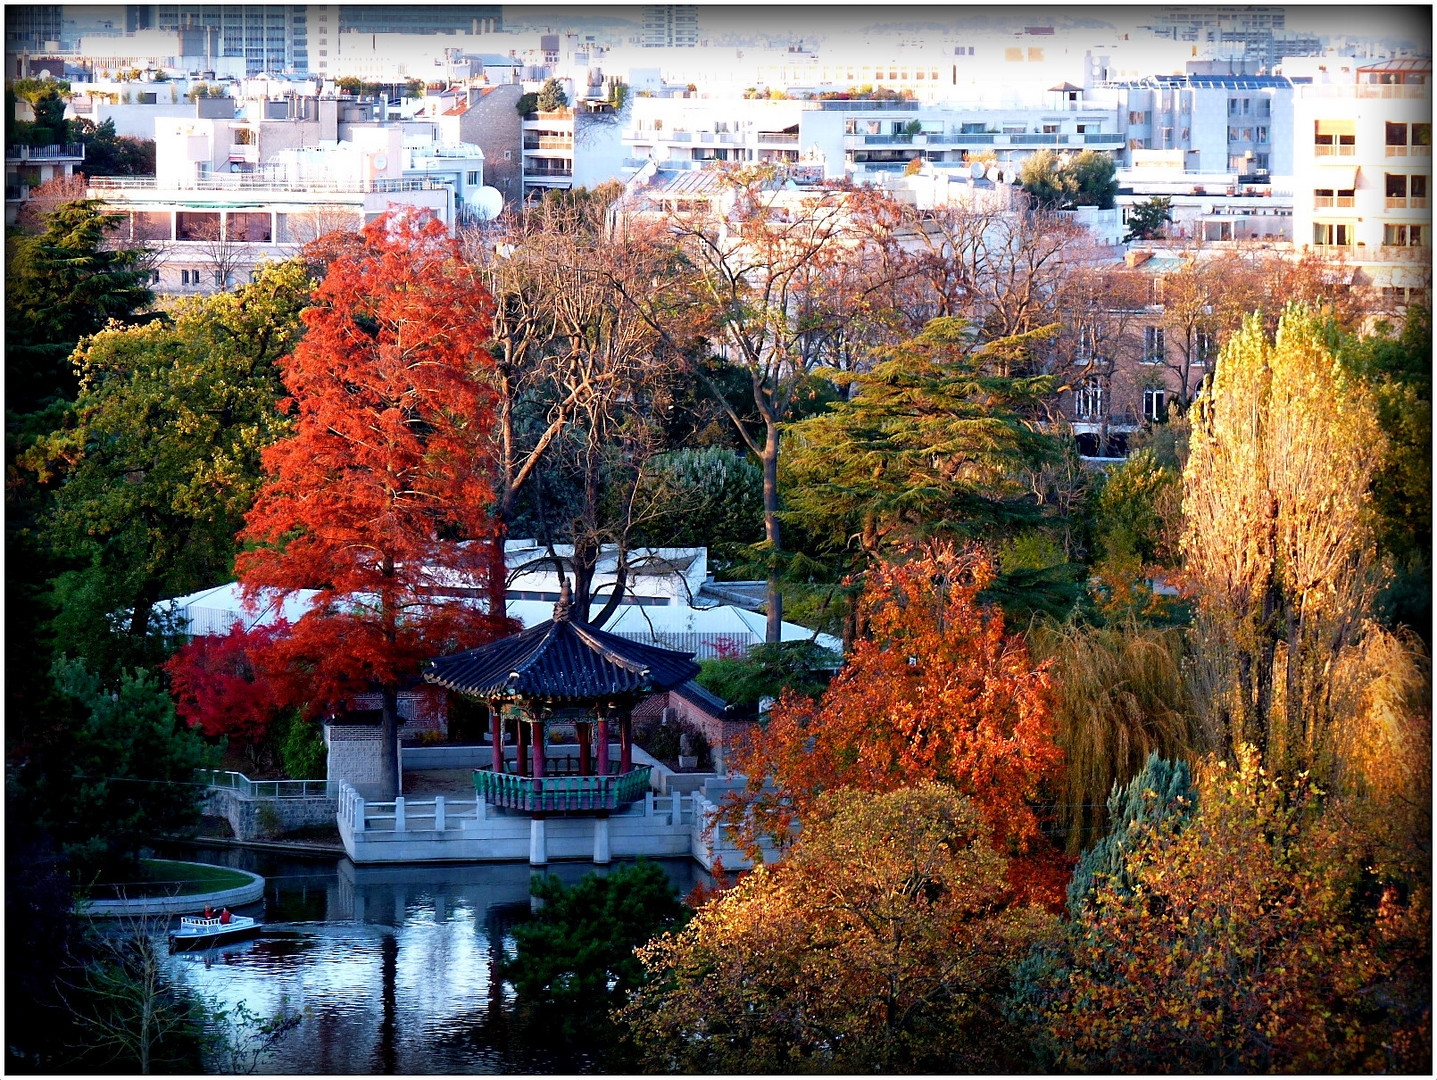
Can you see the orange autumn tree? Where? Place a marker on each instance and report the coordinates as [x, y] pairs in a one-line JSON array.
[[936, 692], [385, 476]]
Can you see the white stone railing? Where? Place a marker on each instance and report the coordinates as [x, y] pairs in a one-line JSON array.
[[440, 814]]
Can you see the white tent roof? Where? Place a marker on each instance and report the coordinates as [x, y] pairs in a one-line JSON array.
[[214, 611]]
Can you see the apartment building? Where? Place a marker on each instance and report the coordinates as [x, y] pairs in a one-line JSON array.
[[1202, 122], [1363, 151], [263, 37], [234, 186], [670, 25], [863, 140]]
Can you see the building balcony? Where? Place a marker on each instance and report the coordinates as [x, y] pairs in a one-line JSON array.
[[1411, 202], [548, 142], [1394, 253], [1337, 151], [53, 152], [119, 187], [1409, 151], [561, 794], [1321, 202]]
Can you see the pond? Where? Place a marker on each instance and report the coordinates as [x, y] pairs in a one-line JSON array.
[[391, 965]]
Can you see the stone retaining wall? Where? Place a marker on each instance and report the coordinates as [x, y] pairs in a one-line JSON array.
[[257, 819]]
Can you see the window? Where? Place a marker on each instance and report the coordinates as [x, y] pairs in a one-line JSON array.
[[1335, 138], [1259, 134], [1330, 234], [1085, 343], [1395, 185], [1154, 345], [1404, 140], [472, 179], [1403, 235], [220, 276], [1155, 405], [1204, 346], [1088, 399]]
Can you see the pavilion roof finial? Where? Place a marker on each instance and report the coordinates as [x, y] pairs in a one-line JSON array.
[[564, 606]]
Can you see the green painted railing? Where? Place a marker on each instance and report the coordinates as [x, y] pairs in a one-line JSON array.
[[561, 793]]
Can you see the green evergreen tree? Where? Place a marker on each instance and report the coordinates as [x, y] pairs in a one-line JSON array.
[[1162, 792], [1147, 218], [551, 96], [111, 772], [61, 285], [576, 956]]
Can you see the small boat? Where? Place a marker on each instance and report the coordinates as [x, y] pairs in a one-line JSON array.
[[198, 932]]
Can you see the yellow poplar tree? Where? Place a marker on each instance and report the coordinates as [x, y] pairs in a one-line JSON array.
[[1277, 545]]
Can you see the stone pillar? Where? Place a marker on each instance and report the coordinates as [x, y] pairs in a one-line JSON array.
[[522, 757], [626, 743], [601, 840], [496, 736], [538, 841], [439, 813], [603, 766], [399, 823]]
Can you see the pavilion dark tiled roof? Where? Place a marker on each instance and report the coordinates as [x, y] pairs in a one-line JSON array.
[[563, 661]]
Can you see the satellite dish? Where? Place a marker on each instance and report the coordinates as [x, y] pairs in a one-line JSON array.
[[976, 170], [486, 202], [992, 173]]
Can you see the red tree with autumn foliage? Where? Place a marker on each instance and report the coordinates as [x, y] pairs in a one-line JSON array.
[[937, 691], [218, 687], [386, 476]]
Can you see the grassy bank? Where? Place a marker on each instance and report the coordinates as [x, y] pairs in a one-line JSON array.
[[165, 877]]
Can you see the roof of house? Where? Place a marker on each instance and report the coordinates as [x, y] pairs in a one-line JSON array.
[[706, 700], [563, 661]]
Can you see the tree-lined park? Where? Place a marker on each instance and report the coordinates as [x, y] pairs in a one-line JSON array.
[[1125, 767]]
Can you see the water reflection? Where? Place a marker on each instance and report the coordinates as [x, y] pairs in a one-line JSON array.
[[392, 965]]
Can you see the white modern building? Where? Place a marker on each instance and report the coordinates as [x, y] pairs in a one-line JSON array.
[[1363, 174], [865, 139]]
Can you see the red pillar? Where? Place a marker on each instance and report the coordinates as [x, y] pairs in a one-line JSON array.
[[522, 761], [496, 736], [603, 726], [538, 749], [626, 743], [586, 761]]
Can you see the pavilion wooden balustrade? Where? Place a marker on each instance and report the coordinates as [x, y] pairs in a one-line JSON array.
[[559, 793]]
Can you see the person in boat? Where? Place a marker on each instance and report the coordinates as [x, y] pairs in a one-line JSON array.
[[225, 916], [209, 912]]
